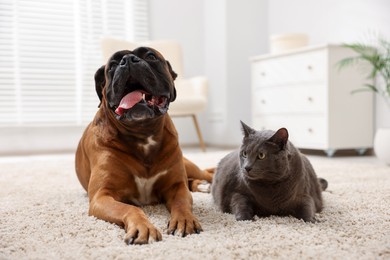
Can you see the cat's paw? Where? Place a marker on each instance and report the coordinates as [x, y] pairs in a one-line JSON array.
[[244, 219], [244, 216], [310, 219], [201, 186]]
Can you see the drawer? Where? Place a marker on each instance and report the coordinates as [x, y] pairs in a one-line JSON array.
[[304, 67], [305, 131], [309, 99]]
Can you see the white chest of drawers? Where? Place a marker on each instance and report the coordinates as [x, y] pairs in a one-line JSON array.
[[306, 92]]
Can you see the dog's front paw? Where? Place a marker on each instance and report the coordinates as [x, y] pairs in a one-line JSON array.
[[142, 233], [184, 225], [201, 186]]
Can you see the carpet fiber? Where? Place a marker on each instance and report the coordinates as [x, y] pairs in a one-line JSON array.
[[43, 215]]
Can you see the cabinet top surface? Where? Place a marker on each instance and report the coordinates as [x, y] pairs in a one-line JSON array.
[[295, 51]]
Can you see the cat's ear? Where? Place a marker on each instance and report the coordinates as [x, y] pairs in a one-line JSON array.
[[280, 138], [246, 129]]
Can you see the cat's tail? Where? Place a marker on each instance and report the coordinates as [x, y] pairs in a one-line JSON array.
[[323, 183]]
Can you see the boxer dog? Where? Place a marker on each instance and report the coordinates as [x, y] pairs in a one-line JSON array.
[[129, 155]]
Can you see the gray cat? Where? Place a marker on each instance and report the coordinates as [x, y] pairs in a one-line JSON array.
[[267, 176]]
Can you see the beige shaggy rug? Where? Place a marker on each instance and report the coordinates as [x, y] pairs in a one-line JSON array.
[[43, 215]]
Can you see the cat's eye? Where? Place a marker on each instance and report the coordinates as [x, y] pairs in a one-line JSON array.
[[261, 156], [243, 154]]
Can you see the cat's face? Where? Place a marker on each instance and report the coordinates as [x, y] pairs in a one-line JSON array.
[[264, 154]]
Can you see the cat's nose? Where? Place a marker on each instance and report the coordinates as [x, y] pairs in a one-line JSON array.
[[248, 168]]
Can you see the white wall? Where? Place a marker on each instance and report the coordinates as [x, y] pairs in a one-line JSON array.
[[183, 21], [330, 21], [218, 37]]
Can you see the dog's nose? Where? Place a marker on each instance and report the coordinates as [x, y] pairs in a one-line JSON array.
[[128, 59]]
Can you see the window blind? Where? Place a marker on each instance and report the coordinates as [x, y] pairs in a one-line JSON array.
[[49, 52]]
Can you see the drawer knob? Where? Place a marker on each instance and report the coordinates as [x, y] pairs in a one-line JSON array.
[[310, 130], [309, 67], [262, 101], [310, 99], [262, 74]]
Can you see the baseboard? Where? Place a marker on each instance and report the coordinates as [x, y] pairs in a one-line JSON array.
[[39, 139]]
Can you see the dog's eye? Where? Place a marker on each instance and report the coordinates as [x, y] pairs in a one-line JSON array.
[[113, 66], [151, 56]]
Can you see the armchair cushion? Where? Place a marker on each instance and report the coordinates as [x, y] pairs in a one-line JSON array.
[[192, 96]]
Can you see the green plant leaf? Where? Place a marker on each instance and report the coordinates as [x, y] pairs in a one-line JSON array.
[[368, 87], [378, 57], [346, 62]]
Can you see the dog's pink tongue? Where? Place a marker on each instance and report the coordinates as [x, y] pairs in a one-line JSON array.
[[129, 101]]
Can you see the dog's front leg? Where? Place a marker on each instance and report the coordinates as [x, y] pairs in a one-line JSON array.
[[138, 228], [179, 203]]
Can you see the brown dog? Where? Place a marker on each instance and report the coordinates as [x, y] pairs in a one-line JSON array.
[[129, 154]]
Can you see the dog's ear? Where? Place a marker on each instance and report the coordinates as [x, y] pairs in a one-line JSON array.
[[100, 81], [174, 76], [174, 95]]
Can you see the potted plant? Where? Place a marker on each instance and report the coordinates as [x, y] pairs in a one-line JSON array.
[[378, 57]]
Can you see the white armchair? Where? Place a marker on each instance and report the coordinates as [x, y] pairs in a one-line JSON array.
[[191, 92]]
